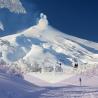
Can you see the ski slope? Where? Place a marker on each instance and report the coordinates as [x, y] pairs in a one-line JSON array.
[[13, 87]]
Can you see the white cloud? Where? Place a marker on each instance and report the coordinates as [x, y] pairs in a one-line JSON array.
[[1, 26], [13, 6]]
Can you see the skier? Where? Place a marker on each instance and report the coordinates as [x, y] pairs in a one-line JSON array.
[[80, 81]]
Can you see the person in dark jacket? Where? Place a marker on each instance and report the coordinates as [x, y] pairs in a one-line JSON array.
[[80, 81]]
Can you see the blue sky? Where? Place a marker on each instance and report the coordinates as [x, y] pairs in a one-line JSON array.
[[75, 17]]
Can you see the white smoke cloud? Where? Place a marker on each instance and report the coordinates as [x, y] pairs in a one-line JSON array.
[[43, 22]]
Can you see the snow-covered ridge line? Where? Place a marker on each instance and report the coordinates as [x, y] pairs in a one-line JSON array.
[[64, 35], [77, 39], [83, 41], [13, 6]]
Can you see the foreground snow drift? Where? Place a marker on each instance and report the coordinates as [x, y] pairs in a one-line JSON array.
[[12, 87]]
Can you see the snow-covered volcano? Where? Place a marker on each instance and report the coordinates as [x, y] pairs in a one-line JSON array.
[[47, 53]]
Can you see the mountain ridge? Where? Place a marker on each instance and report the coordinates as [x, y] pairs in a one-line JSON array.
[[49, 50]]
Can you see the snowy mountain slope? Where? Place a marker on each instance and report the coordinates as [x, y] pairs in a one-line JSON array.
[[13, 6], [42, 49]]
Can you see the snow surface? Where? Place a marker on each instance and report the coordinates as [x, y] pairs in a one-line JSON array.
[[44, 56], [13, 87], [13, 6]]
